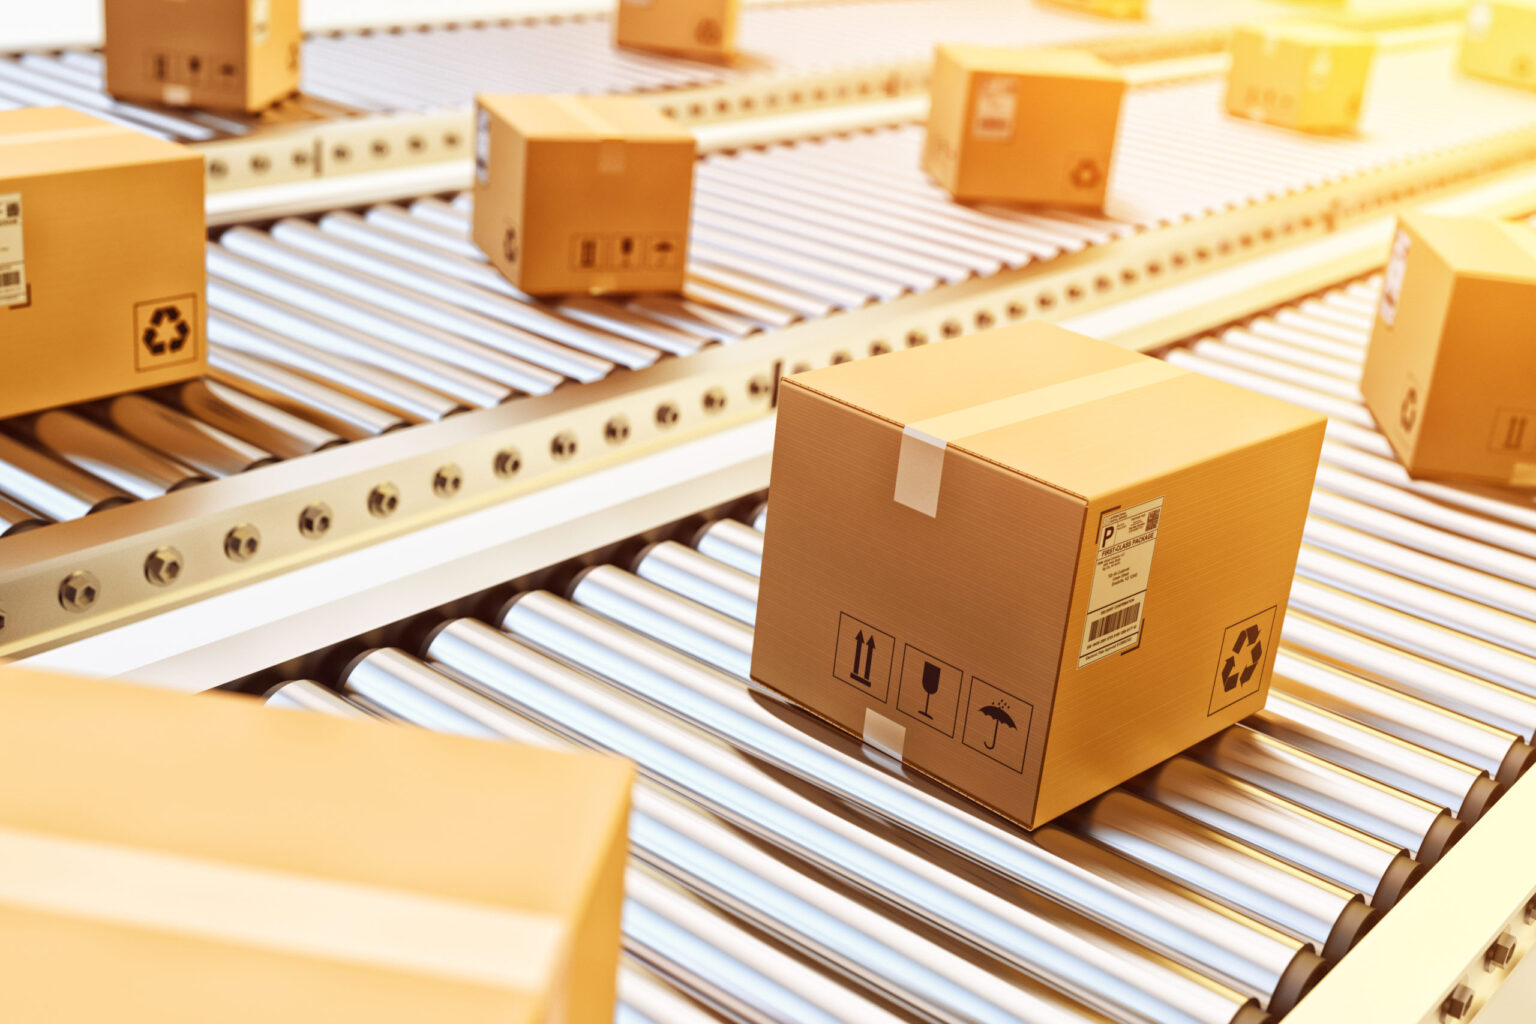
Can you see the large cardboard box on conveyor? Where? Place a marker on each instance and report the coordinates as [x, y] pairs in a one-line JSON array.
[[1027, 563], [698, 29], [101, 260], [178, 859]]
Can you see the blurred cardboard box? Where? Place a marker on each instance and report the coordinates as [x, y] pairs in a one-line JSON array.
[[240, 55], [1020, 125], [1501, 41], [1450, 374], [173, 858], [1104, 8], [1308, 77], [699, 29], [582, 194], [101, 260], [1027, 563]]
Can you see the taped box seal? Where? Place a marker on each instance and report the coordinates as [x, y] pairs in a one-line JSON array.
[[172, 859], [1027, 563]]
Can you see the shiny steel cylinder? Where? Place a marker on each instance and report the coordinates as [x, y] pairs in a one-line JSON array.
[[735, 544], [1461, 789], [713, 584], [308, 695], [645, 999], [56, 489], [716, 639], [125, 465], [1233, 949], [191, 442], [238, 414], [15, 519], [348, 417], [1328, 849]]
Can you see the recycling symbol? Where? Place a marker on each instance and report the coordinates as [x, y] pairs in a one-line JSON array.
[[1231, 676], [1086, 174], [167, 331], [707, 32], [1408, 414]]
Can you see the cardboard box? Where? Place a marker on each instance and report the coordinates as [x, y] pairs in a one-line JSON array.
[[698, 29], [582, 194], [1450, 374], [173, 858], [240, 55], [1308, 77], [101, 260], [1501, 41], [1019, 125], [1029, 564], [1104, 8]]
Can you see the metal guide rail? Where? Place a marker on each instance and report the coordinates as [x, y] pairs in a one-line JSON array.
[[338, 332], [1218, 887]]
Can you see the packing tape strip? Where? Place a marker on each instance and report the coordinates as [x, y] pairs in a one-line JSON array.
[[883, 734], [67, 134], [260, 908], [920, 463]]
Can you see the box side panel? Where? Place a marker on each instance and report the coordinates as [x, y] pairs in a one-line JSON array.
[[275, 47], [501, 155], [949, 101], [179, 54], [694, 28], [590, 989]]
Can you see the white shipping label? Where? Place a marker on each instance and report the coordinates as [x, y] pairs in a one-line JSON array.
[[1392, 282], [997, 108], [13, 264], [261, 21], [482, 145], [1122, 566]]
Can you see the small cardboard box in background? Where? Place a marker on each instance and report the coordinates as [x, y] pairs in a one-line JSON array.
[[1021, 125], [1029, 564], [1104, 8], [240, 55], [173, 858], [700, 29], [1450, 374], [101, 260], [1501, 41], [582, 194], [1308, 77]]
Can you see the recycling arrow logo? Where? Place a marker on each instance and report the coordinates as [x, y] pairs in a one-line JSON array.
[[707, 32], [166, 332], [1086, 174], [1234, 674]]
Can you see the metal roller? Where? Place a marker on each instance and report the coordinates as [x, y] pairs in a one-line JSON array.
[[735, 544], [56, 489], [107, 456], [676, 621], [256, 422], [345, 416], [723, 707], [713, 584], [308, 695], [15, 519], [189, 441], [646, 999], [1379, 871]]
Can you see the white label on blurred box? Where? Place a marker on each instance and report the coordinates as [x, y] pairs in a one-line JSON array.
[[13, 266], [997, 106]]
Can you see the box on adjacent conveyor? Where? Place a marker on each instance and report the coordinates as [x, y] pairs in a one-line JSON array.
[[1026, 563], [171, 857], [1295, 75], [698, 29], [1501, 41], [582, 194], [1450, 374], [1104, 8], [240, 55], [101, 260], [1022, 125]]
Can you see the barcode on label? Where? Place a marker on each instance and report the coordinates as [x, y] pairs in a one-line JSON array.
[[10, 279], [1153, 518], [1113, 621]]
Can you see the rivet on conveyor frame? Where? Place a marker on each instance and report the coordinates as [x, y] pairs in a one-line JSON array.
[[667, 414], [383, 500], [714, 400], [242, 542], [79, 591], [507, 462], [616, 430], [163, 566], [563, 445], [315, 520], [448, 480]]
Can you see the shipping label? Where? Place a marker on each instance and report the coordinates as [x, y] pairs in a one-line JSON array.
[[13, 265], [1122, 567], [482, 145], [261, 21], [997, 108], [1392, 283]]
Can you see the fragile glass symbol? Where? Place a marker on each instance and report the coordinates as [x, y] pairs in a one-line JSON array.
[[930, 685], [1000, 717]]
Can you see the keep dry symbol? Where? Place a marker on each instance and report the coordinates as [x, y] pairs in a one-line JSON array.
[[998, 712], [167, 331], [1231, 676]]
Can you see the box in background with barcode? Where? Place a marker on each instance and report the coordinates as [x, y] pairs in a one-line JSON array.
[[582, 194], [1450, 372], [1500, 43], [1027, 563], [101, 260], [698, 29], [239, 55], [1021, 125], [1310, 77]]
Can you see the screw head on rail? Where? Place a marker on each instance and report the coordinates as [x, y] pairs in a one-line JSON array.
[[714, 400], [563, 445], [79, 591], [667, 414], [242, 542], [616, 430], [1458, 1004], [447, 481], [2, 620], [163, 566], [383, 500], [507, 462], [315, 520], [1501, 953]]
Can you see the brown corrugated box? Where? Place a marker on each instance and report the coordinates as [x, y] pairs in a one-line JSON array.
[[1022, 125], [1104, 8], [1029, 564], [1298, 75], [173, 858], [582, 194], [241, 55], [101, 260], [1450, 373], [699, 29], [1501, 42]]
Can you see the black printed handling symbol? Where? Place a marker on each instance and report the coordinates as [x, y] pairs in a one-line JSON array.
[[931, 676], [1231, 678], [509, 245], [862, 647], [168, 331], [1086, 174], [707, 32], [998, 712]]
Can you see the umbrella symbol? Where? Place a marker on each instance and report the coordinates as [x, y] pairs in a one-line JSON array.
[[998, 712]]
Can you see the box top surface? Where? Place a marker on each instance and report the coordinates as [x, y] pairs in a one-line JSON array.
[[1083, 416], [1310, 33], [1479, 246], [585, 117], [1039, 62], [54, 140]]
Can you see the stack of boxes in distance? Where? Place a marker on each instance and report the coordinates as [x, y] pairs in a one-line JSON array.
[[101, 260], [238, 55], [696, 29]]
